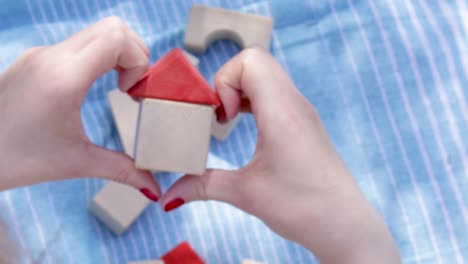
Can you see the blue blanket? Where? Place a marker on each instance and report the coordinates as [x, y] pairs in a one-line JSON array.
[[388, 77]]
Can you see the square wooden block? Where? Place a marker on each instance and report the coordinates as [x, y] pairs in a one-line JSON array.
[[118, 206], [173, 136]]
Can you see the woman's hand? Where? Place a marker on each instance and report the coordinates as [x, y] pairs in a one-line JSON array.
[[41, 135], [296, 181]]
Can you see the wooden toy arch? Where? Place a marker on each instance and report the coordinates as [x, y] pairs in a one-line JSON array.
[[208, 24]]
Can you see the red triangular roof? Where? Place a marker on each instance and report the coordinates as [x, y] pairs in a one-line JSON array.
[[174, 78], [182, 254]]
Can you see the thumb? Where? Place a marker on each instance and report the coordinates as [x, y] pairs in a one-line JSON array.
[[254, 77], [220, 185], [121, 168]]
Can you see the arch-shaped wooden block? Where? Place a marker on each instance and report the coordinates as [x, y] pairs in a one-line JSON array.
[[208, 24]]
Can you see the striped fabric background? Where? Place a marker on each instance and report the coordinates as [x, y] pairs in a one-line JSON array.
[[389, 79]]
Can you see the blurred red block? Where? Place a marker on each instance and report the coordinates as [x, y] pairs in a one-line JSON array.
[[182, 254], [174, 78]]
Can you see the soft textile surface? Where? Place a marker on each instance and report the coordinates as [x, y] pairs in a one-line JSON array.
[[388, 78]]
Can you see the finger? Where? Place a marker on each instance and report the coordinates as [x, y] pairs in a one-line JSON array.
[[217, 185], [118, 167], [130, 70], [82, 38], [257, 75], [112, 50], [138, 40]]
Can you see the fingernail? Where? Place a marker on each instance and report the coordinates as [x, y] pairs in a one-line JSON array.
[[221, 114], [173, 204], [150, 195]]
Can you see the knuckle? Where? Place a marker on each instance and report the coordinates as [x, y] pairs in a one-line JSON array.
[[114, 22], [116, 37], [115, 29]]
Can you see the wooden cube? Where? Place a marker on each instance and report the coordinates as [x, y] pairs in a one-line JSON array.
[[118, 206], [173, 136]]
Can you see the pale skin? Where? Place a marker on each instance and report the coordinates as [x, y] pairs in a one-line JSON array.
[[296, 181]]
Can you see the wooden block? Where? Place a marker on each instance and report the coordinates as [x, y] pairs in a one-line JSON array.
[[182, 254], [194, 60], [249, 261], [208, 24], [118, 206], [147, 262], [173, 136], [222, 131], [125, 112]]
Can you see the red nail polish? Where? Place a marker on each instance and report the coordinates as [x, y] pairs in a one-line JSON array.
[[173, 204], [150, 195], [221, 114]]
